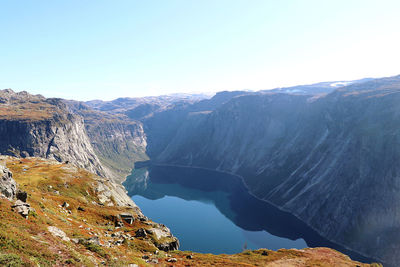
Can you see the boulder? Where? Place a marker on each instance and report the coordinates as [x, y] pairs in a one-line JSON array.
[[140, 233], [127, 217], [94, 240], [167, 246], [22, 208], [58, 233], [22, 195], [119, 223], [8, 186]]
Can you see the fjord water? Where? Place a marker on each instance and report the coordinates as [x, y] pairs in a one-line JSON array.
[[212, 212]]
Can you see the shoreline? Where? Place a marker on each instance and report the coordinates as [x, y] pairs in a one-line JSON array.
[[148, 163]]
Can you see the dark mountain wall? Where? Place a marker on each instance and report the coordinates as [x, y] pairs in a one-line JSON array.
[[332, 160]]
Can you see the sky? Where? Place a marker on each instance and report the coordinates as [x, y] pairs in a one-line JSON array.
[[97, 49]]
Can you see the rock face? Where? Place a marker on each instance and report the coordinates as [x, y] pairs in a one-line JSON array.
[[62, 138], [38, 127], [8, 187], [117, 141], [35, 126], [118, 145], [330, 160]]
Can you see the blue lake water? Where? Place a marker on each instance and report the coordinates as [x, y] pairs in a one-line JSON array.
[[212, 212], [201, 227]]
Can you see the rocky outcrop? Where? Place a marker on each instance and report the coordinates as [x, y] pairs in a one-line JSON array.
[[58, 233], [9, 190], [113, 194], [61, 137], [8, 187], [36, 126], [22, 208]]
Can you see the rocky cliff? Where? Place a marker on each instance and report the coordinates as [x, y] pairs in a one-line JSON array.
[[330, 160], [117, 140], [35, 126]]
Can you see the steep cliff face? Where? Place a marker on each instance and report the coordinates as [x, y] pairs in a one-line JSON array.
[[35, 126], [118, 145], [163, 126], [332, 160], [117, 140]]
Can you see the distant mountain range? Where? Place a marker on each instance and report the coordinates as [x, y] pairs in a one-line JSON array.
[[317, 88]]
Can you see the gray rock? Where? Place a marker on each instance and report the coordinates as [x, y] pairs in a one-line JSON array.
[[127, 217], [21, 208], [152, 261], [75, 240], [8, 186], [94, 240], [140, 233], [58, 233], [168, 246], [61, 136]]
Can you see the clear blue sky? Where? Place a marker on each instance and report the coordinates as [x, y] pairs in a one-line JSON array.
[[107, 49]]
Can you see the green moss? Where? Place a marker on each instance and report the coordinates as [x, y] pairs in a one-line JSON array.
[[32, 213], [94, 248], [10, 260]]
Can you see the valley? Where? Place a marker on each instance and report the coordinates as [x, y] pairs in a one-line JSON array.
[[322, 157], [208, 133]]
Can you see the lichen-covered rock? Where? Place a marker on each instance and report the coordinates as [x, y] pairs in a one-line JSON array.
[[8, 187], [22, 208], [58, 233], [110, 194]]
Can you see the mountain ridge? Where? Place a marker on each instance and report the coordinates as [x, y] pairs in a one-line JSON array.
[[285, 146]]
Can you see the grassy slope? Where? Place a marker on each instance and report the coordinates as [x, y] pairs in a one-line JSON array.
[[28, 112], [28, 242]]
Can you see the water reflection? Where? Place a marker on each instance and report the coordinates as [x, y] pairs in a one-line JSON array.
[[262, 224]]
